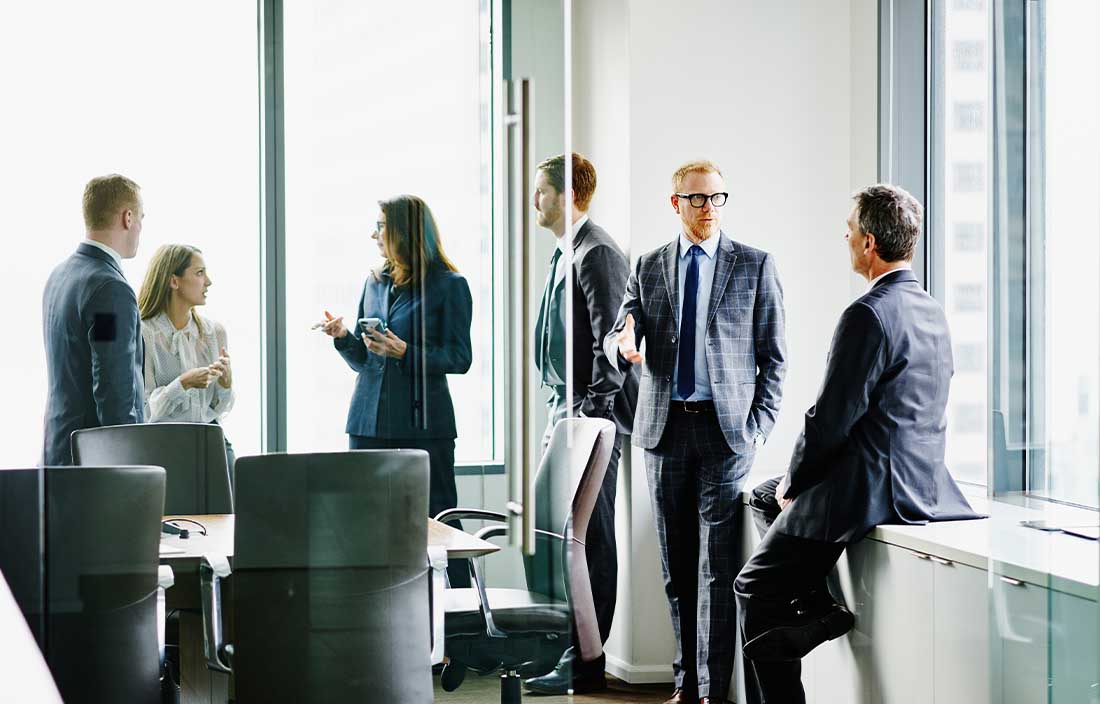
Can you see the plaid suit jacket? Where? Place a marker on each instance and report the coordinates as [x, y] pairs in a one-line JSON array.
[[745, 340]]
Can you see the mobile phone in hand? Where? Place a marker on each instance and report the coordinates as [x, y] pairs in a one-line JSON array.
[[376, 324]]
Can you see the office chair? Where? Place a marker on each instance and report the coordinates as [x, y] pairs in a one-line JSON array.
[[193, 455], [328, 597], [96, 615], [520, 632]]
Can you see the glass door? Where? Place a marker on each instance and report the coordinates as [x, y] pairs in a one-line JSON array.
[[415, 272]]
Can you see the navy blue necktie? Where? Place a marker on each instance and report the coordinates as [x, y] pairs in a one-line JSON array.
[[685, 359]]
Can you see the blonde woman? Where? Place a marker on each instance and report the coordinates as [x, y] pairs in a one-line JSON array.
[[188, 377]]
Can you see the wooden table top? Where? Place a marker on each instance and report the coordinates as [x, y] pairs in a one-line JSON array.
[[219, 539]]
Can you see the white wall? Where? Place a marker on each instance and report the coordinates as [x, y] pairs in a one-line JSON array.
[[781, 94]]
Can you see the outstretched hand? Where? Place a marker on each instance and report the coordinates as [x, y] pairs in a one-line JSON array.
[[628, 346]]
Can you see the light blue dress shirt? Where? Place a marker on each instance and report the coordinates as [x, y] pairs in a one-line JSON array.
[[702, 310]]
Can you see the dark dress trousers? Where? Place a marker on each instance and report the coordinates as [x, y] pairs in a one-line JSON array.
[[697, 462], [600, 388], [406, 403], [871, 452], [94, 353]]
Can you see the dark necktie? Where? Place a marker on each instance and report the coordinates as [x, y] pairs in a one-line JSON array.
[[544, 322], [685, 360]]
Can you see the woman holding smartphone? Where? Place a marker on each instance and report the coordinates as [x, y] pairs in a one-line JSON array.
[[187, 373], [412, 330]]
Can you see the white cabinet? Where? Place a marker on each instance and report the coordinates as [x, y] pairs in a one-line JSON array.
[[1018, 642], [960, 653]]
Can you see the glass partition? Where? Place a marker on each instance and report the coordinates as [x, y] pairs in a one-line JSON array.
[[181, 123]]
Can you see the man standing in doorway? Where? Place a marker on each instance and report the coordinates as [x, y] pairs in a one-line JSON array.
[[90, 323], [600, 388], [710, 311]]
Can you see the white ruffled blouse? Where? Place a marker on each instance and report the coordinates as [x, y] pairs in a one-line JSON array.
[[168, 354]]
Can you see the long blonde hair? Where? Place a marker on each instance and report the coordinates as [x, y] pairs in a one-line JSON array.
[[169, 260]]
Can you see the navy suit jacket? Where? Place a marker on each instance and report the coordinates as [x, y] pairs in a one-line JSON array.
[[872, 449], [409, 398], [745, 340], [94, 352]]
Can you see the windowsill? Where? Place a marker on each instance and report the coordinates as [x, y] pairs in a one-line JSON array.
[[1000, 544]]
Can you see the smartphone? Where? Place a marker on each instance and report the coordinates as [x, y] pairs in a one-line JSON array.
[[375, 323]]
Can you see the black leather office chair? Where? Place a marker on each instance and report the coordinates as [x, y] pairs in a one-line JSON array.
[[327, 599], [524, 632], [97, 616], [193, 455]]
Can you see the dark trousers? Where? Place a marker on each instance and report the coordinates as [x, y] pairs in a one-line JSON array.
[[600, 549], [695, 481], [783, 567], [442, 492]]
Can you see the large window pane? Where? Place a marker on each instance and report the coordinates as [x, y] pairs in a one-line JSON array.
[[963, 219], [118, 86], [1067, 135], [381, 101]]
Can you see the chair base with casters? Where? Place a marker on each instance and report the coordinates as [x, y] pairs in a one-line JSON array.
[[523, 633]]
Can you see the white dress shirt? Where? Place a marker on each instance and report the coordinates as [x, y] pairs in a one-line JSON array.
[[871, 285], [702, 307], [109, 250], [168, 354]]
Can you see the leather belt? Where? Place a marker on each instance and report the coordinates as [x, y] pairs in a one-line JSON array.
[[692, 407]]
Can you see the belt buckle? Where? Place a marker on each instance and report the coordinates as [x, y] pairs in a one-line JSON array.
[[687, 409]]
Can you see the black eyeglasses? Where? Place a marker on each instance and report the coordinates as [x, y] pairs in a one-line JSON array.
[[378, 226], [698, 199]]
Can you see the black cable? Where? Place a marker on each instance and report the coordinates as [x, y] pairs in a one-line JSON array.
[[172, 522]]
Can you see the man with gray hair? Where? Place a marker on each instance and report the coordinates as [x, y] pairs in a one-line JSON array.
[[871, 451]]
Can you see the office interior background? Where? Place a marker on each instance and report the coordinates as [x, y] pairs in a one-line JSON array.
[[265, 133]]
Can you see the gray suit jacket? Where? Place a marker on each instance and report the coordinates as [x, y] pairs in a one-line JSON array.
[[94, 353], [872, 449], [745, 340], [600, 271]]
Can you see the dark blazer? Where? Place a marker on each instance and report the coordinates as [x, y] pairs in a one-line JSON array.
[[872, 449], [94, 353], [409, 398], [600, 271], [745, 340]]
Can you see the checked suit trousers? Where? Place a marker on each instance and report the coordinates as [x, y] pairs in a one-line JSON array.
[[695, 482]]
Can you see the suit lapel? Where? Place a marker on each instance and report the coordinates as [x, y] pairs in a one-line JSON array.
[[723, 270], [672, 281]]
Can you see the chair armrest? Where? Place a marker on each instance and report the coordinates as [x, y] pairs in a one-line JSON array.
[[212, 570], [437, 584], [479, 583], [454, 514]]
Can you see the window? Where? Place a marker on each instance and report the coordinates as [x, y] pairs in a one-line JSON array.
[[180, 122], [369, 115], [1016, 172]]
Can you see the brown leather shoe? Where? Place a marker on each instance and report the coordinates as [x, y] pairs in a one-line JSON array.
[[680, 697]]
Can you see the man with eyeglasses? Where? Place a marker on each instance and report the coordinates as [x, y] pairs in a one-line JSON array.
[[710, 311]]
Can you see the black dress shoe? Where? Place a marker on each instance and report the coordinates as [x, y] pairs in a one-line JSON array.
[[811, 627], [571, 673]]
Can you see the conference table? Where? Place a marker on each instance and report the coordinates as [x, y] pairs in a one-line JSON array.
[[183, 555]]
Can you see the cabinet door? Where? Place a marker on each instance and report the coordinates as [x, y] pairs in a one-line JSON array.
[[1018, 642], [895, 586], [961, 628], [1074, 650]]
